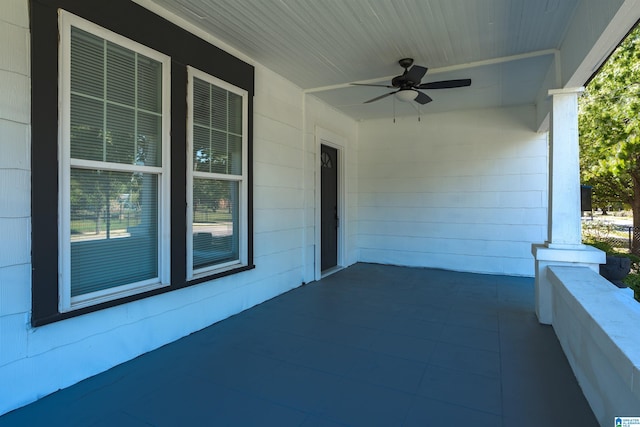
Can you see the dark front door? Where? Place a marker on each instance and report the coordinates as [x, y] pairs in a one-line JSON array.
[[329, 220]]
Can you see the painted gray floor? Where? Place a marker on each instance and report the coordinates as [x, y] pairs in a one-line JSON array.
[[370, 345]]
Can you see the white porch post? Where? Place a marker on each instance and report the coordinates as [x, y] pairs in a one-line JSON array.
[[564, 241], [564, 171]]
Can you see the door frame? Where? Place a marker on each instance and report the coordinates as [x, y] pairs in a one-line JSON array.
[[333, 140]]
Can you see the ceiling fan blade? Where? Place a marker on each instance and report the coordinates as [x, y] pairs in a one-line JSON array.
[[445, 84], [415, 74], [422, 98], [380, 97], [365, 84]]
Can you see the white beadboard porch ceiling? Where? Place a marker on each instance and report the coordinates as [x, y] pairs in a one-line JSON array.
[[505, 46]]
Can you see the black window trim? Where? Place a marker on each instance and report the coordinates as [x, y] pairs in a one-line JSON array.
[[185, 49]]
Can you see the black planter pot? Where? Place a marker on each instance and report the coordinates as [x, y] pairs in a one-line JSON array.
[[616, 269]]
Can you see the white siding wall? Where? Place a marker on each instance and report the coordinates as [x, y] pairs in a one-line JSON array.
[[15, 271], [37, 361], [464, 191], [278, 186]]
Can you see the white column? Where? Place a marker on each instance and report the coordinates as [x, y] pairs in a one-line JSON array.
[[564, 240], [564, 170]]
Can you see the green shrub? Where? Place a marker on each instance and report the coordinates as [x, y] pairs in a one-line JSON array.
[[633, 281], [603, 246], [635, 262]]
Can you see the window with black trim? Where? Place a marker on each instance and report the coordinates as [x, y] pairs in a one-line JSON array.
[[114, 174], [141, 164], [216, 175]]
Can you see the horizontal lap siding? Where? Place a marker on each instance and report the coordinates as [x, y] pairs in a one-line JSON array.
[[15, 186], [462, 191], [278, 172]]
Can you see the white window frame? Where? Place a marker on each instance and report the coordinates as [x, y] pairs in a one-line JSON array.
[[66, 302], [243, 215]]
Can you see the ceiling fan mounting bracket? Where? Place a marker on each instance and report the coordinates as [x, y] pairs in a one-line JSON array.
[[406, 62]]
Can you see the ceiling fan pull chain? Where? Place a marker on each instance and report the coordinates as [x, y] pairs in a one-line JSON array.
[[394, 110]]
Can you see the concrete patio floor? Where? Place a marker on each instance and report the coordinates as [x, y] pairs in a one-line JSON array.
[[371, 345]]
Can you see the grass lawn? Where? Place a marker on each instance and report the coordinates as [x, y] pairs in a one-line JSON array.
[[88, 225]]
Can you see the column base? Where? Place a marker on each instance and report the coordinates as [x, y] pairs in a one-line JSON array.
[[549, 254]]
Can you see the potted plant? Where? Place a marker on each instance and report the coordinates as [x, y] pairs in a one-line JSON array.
[[616, 269]]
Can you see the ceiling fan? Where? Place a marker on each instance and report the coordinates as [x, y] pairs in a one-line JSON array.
[[409, 82]]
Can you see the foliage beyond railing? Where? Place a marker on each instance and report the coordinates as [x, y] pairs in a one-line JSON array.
[[611, 239], [619, 237]]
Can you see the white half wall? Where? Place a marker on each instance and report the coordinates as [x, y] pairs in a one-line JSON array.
[[37, 361], [462, 191], [596, 324]]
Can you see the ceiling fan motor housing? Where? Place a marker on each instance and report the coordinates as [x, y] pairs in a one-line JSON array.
[[398, 81]]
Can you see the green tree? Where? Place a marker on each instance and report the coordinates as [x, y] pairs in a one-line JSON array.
[[609, 124]]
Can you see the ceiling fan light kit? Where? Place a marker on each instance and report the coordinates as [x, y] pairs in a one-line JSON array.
[[408, 84], [406, 95]]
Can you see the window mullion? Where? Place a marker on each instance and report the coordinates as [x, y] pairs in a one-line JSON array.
[[135, 108], [217, 176], [211, 106], [227, 131], [116, 167], [105, 60]]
